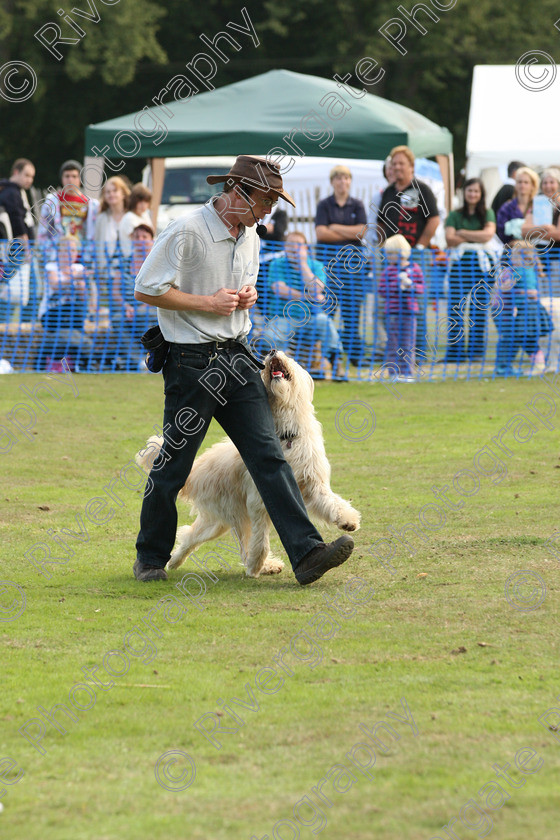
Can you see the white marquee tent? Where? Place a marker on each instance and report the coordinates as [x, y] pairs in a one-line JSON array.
[[512, 119]]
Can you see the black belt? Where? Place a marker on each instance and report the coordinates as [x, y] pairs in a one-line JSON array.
[[212, 346]]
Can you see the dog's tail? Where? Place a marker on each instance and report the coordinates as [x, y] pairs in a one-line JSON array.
[[146, 457]]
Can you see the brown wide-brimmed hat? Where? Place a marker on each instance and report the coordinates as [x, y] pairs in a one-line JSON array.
[[257, 172]]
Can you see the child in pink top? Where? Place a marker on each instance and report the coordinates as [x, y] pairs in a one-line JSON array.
[[400, 283]]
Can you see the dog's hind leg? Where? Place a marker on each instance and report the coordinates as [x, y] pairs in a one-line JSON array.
[[259, 542], [189, 537], [242, 531]]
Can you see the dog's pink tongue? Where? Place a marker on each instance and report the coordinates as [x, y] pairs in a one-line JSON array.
[[278, 373]]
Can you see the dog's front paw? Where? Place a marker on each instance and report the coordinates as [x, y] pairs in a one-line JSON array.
[[271, 566], [176, 559], [349, 521]]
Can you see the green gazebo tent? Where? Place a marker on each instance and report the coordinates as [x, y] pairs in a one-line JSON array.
[[279, 112]]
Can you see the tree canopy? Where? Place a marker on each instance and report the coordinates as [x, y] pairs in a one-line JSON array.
[[130, 49]]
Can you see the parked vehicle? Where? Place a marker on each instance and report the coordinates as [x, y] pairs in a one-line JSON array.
[[185, 186]]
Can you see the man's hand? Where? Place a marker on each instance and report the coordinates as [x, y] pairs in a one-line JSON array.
[[247, 297], [224, 301]]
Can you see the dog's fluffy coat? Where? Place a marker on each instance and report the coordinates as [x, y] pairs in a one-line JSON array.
[[223, 494]]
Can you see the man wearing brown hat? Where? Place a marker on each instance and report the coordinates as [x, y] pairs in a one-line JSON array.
[[201, 275]]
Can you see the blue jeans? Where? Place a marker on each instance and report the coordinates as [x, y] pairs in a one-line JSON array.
[[199, 386]]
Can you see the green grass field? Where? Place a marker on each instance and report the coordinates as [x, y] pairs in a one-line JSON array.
[[476, 671]]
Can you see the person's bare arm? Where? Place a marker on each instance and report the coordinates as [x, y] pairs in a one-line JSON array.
[[222, 302], [348, 231], [428, 232], [453, 237], [484, 235], [463, 235], [286, 292], [325, 234], [552, 231], [338, 233]]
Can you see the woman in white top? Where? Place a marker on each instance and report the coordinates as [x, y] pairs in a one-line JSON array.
[[114, 204], [138, 212]]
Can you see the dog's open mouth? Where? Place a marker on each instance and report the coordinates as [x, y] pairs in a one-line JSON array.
[[277, 369]]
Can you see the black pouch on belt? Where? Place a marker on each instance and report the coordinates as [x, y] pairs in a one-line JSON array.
[[157, 347]]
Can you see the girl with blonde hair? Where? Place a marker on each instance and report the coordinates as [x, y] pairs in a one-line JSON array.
[[114, 204]]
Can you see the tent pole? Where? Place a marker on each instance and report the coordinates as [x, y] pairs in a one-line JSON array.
[[92, 176], [445, 163], [157, 166]]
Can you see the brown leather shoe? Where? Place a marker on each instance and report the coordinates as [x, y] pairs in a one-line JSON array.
[[322, 558], [147, 573]]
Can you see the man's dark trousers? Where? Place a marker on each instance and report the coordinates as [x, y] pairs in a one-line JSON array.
[[233, 393]]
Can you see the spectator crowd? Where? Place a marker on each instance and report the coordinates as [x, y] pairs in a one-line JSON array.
[[366, 294], [87, 254]]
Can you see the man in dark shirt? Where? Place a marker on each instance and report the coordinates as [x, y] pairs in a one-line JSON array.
[[14, 287], [407, 206], [21, 178], [505, 193], [340, 221]]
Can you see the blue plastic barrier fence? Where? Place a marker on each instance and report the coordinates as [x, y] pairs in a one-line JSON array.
[[358, 319]]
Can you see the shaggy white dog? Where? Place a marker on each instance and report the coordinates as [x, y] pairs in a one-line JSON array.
[[223, 493]]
